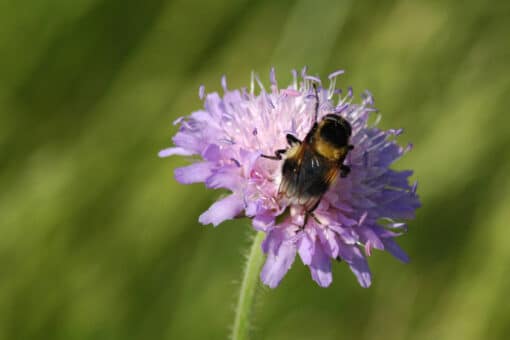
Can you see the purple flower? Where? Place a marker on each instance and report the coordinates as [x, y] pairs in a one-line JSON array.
[[358, 213]]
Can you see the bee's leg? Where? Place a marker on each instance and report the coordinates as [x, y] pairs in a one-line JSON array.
[[350, 147], [302, 227], [344, 170], [292, 140], [315, 218], [310, 213], [277, 155]]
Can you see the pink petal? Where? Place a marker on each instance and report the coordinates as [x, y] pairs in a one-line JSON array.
[[369, 236], [306, 249], [226, 177], [394, 249], [212, 153], [247, 160], [358, 264], [320, 266], [329, 241], [194, 173], [175, 151], [263, 221], [224, 209], [277, 264]]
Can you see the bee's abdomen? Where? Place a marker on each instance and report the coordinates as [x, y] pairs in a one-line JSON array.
[[305, 180]]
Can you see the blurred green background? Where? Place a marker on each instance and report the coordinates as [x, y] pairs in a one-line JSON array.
[[97, 239]]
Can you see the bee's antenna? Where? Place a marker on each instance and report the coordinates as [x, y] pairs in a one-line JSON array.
[[316, 103]]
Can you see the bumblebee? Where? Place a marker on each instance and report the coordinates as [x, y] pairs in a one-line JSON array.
[[312, 165]]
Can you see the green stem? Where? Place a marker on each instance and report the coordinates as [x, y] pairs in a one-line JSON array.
[[250, 280]]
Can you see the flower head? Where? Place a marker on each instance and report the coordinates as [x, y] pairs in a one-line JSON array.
[[358, 213]]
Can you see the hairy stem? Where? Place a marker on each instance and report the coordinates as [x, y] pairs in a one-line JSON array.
[[248, 286]]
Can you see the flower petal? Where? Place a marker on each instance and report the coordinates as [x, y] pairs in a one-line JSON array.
[[278, 262], [329, 241], [358, 264], [306, 248], [189, 141], [263, 221], [175, 151], [247, 160], [224, 209], [194, 173], [212, 153], [369, 236], [347, 235], [394, 249], [320, 266], [226, 177]]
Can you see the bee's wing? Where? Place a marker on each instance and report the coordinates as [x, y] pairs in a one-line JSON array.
[[316, 176], [306, 177], [291, 169]]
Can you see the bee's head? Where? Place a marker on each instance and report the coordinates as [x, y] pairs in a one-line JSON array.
[[334, 130]]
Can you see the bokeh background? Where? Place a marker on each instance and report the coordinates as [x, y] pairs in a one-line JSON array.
[[98, 241]]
